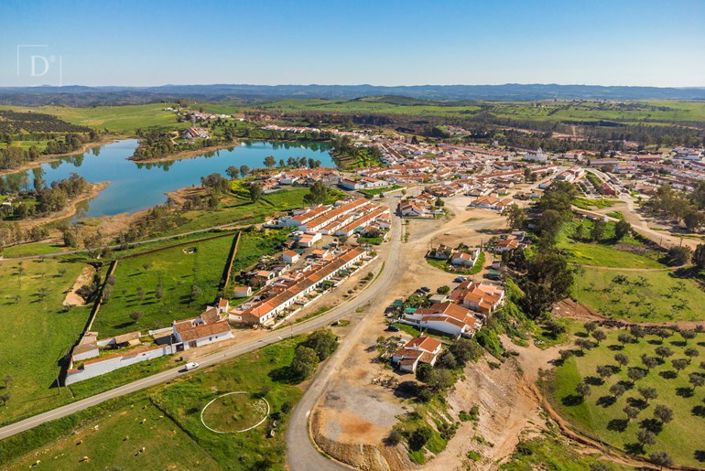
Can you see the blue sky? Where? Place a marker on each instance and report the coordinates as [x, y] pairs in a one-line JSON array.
[[383, 42]]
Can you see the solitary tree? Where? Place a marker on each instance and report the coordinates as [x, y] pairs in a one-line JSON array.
[[622, 359], [648, 394], [515, 216], [645, 437], [663, 413], [696, 379], [244, 170], [621, 229], [664, 352], [233, 172], [135, 316], [699, 256], [617, 389], [631, 412], [255, 191], [635, 374], [604, 371], [687, 335], [270, 161], [661, 459], [583, 389], [680, 363], [599, 335]]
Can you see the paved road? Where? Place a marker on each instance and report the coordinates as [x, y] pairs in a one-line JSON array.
[[368, 295], [301, 453]]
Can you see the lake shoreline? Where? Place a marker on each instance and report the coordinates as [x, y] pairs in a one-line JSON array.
[[69, 211], [185, 154], [49, 158]]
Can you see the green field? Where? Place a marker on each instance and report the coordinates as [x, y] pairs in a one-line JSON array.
[[234, 412], [589, 203], [650, 112], [35, 332], [629, 252], [239, 209], [159, 286], [164, 422], [648, 296], [600, 413], [553, 453], [116, 119]]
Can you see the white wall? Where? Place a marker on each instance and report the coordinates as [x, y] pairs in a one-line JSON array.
[[91, 370]]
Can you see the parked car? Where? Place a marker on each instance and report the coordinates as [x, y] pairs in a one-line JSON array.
[[459, 279], [192, 365], [392, 328], [425, 289]]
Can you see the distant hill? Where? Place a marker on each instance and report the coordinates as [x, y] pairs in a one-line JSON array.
[[88, 96]]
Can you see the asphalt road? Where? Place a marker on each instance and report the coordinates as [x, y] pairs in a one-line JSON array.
[[301, 453], [368, 295]]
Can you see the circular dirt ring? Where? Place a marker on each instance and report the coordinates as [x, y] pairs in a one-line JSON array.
[[234, 412]]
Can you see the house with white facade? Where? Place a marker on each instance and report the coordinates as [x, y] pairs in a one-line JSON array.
[[421, 349]]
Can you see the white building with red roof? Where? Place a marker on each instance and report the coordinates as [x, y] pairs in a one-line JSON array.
[[418, 350]]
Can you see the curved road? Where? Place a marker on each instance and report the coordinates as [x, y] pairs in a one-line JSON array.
[[302, 455], [379, 285]]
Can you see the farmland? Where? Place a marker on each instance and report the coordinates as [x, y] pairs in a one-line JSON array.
[[601, 411], [116, 119], [651, 112], [162, 425], [36, 332], [170, 284], [647, 296]]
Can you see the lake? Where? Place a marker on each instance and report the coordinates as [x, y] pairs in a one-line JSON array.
[[135, 186]]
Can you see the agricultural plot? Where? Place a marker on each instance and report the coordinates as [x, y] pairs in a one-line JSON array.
[[150, 291], [639, 394], [36, 333], [116, 119], [646, 296]]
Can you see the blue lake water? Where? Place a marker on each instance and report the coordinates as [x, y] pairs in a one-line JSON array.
[[135, 186]]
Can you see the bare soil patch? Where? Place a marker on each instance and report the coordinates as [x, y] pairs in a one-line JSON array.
[[72, 297]]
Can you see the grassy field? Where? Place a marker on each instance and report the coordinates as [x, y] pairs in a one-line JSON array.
[[600, 413], [161, 428], [116, 119], [35, 331], [651, 112], [238, 209], [589, 203], [159, 286], [640, 296], [552, 453], [629, 252]]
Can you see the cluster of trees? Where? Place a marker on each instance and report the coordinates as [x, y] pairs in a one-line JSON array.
[[319, 193], [292, 162], [160, 218], [317, 347], [679, 207], [14, 156], [346, 154], [596, 231], [43, 199], [547, 275]]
